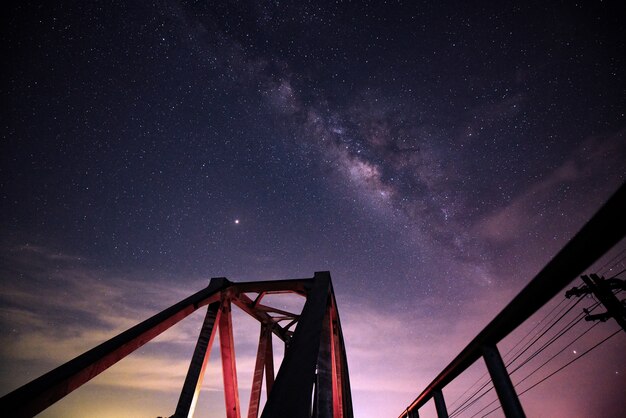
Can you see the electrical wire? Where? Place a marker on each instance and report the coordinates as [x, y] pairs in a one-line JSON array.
[[561, 368], [554, 338], [560, 351], [542, 365], [611, 260], [616, 264], [468, 389], [572, 361], [536, 326], [579, 317], [617, 274], [463, 408], [544, 332], [486, 374], [476, 395]]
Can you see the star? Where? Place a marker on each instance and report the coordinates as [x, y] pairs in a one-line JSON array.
[[433, 174]]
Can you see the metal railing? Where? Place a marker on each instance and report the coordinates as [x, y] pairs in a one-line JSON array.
[[604, 230]]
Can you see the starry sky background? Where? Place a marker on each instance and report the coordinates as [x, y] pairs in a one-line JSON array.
[[433, 156]]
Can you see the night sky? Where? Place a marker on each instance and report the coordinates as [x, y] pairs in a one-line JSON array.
[[433, 156]]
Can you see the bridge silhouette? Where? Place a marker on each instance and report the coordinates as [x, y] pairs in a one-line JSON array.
[[313, 378]]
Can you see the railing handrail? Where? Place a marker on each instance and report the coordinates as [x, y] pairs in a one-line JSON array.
[[605, 229]]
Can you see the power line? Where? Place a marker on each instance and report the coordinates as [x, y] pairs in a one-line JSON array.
[[612, 259], [537, 325], [561, 368], [617, 274], [544, 333], [476, 396], [554, 338], [486, 374], [467, 404], [462, 408], [542, 365], [467, 390], [560, 351], [538, 351]]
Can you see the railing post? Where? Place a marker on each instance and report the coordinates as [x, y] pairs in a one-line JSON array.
[[440, 404], [604, 230], [502, 382]]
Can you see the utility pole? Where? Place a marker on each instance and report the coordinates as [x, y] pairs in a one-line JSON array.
[[602, 289]]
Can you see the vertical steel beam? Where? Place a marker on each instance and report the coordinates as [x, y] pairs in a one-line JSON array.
[[502, 382], [269, 363], [229, 369], [257, 379], [293, 388], [193, 381], [336, 354], [326, 386], [440, 404], [336, 374], [346, 393], [346, 397]]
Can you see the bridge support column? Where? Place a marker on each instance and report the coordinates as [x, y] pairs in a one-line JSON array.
[[291, 394], [440, 404], [502, 382]]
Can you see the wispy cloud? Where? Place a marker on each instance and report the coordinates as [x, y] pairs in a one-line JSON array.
[[521, 214], [80, 308], [70, 308]]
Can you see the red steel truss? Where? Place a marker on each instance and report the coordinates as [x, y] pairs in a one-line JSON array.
[[312, 380]]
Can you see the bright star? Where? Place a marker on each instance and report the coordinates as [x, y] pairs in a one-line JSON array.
[[236, 221]]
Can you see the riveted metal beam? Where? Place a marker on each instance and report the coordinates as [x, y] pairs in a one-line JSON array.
[[193, 381], [229, 368], [42, 392]]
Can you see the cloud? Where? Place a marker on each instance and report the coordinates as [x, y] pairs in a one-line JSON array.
[[47, 253], [79, 308], [392, 353], [521, 215], [74, 308]]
